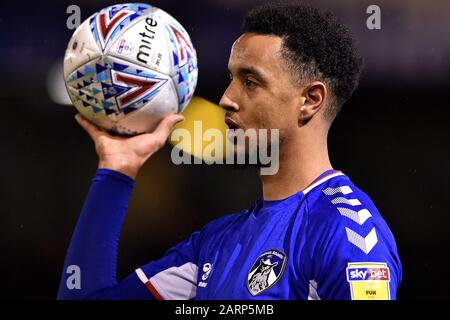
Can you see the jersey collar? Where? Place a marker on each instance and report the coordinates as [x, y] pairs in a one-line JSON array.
[[276, 205], [327, 175]]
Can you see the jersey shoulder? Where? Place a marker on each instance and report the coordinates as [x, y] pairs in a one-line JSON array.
[[346, 232], [343, 220], [339, 202]]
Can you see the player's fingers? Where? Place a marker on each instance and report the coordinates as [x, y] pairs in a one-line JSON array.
[[90, 128], [164, 128]]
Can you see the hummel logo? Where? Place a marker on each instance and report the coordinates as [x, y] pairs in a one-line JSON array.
[[365, 244], [352, 202], [358, 216], [342, 189]]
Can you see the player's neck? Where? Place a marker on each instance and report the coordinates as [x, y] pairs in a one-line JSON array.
[[300, 163]]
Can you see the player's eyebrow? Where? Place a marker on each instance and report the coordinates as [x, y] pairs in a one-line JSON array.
[[245, 71]]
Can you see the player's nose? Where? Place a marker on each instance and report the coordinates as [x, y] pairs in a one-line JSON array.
[[227, 103]]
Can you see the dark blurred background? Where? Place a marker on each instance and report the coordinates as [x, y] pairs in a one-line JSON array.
[[391, 138]]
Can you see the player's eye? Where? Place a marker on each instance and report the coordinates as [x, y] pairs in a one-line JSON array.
[[249, 83], [230, 77]]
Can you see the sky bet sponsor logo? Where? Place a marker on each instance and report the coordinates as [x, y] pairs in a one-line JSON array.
[[377, 272]]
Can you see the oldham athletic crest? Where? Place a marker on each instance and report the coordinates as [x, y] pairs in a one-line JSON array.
[[266, 271]]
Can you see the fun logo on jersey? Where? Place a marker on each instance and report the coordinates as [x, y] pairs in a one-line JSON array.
[[266, 271]]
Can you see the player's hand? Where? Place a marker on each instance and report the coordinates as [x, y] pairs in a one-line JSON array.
[[128, 154]]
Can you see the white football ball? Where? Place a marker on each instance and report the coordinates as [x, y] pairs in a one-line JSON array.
[[128, 66]]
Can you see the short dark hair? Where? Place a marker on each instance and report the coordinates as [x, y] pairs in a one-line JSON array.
[[315, 45]]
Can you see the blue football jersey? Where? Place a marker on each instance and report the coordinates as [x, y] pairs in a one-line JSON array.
[[327, 241]]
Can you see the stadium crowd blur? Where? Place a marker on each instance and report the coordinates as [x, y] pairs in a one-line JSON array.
[[391, 138]]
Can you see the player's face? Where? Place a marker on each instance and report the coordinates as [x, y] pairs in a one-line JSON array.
[[261, 94]]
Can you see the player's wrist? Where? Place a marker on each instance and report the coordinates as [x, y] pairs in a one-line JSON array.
[[125, 166]]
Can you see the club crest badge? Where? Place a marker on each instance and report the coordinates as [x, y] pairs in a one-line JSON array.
[[266, 271]]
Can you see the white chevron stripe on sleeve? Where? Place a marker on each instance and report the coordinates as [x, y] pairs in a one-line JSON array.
[[365, 244], [358, 216], [352, 202], [341, 189], [312, 295]]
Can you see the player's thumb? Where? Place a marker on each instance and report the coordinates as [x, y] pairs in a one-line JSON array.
[[90, 128], [166, 125]]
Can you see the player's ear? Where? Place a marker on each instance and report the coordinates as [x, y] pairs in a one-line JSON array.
[[313, 100]]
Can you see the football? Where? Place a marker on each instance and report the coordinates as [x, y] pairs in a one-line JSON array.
[[129, 65]]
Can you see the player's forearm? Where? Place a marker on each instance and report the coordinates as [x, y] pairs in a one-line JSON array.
[[94, 246]]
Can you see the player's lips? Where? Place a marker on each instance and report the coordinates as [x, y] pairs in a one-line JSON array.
[[232, 124]]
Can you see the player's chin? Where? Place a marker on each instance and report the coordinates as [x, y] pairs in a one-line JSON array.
[[244, 156]]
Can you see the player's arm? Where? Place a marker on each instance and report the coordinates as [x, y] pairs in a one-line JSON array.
[[90, 266]]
